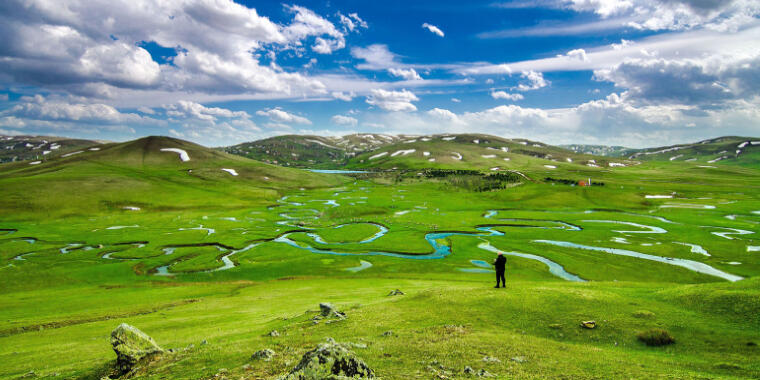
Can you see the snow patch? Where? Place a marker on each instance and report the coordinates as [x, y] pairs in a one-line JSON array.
[[449, 138], [131, 208], [183, 156], [35, 162], [550, 166], [378, 155], [658, 196], [72, 153], [403, 152], [231, 171], [425, 154], [488, 155], [456, 156]]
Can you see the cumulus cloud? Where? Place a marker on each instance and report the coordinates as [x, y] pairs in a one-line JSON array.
[[535, 81], [188, 109], [40, 108], [376, 57], [280, 116], [393, 100], [433, 29], [344, 120], [709, 81], [407, 74], [505, 95], [94, 48], [352, 21]]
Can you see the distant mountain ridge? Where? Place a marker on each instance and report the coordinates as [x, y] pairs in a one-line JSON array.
[[23, 148]]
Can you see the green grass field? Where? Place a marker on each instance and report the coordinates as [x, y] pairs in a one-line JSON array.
[[209, 263]]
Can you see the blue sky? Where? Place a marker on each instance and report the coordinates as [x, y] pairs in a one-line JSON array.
[[217, 72]]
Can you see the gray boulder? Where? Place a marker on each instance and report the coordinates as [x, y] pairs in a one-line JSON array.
[[132, 346], [330, 361], [265, 355], [327, 310]]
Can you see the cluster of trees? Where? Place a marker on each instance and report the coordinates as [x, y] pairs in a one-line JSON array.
[[572, 182]]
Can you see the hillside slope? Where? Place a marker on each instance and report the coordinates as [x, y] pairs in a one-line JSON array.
[[159, 172], [310, 151], [479, 152], [727, 150]]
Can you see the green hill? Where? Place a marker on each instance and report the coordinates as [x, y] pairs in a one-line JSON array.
[[480, 152], [310, 151], [143, 173], [724, 150]]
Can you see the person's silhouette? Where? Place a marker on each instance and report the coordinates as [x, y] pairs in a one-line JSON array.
[[500, 264]]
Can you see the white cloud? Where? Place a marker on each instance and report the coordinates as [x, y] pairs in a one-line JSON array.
[[352, 21], [306, 23], [146, 110], [188, 109], [535, 81], [278, 115], [40, 108], [346, 97], [433, 29], [456, 100], [505, 95], [344, 120], [393, 100], [407, 74], [578, 54], [376, 57]]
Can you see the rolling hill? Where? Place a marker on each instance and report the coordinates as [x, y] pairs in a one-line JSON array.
[[478, 152], [310, 151], [727, 150], [156, 172]]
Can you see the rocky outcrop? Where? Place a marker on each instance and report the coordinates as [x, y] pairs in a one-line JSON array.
[[265, 355], [132, 346], [332, 361]]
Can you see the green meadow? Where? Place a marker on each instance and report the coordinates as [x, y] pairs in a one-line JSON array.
[[209, 263]]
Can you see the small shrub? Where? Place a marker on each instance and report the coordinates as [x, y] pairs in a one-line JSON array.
[[656, 337], [645, 314]]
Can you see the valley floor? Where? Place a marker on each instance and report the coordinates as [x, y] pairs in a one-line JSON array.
[[644, 251]]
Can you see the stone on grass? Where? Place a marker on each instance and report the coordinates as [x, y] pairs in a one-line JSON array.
[[265, 354], [274, 333], [330, 360], [588, 324], [491, 359], [396, 293], [132, 346], [327, 310], [519, 359]]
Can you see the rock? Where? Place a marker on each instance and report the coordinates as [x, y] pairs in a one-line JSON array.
[[468, 370], [274, 333], [265, 355], [588, 324], [330, 360], [396, 293], [491, 359], [519, 359], [204, 342], [388, 333], [132, 346], [483, 373], [327, 310]]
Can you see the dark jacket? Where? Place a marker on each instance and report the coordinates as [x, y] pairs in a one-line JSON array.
[[500, 263]]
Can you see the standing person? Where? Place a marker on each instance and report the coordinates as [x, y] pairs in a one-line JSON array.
[[500, 263]]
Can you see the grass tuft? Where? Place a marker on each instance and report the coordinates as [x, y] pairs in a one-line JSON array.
[[656, 337]]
